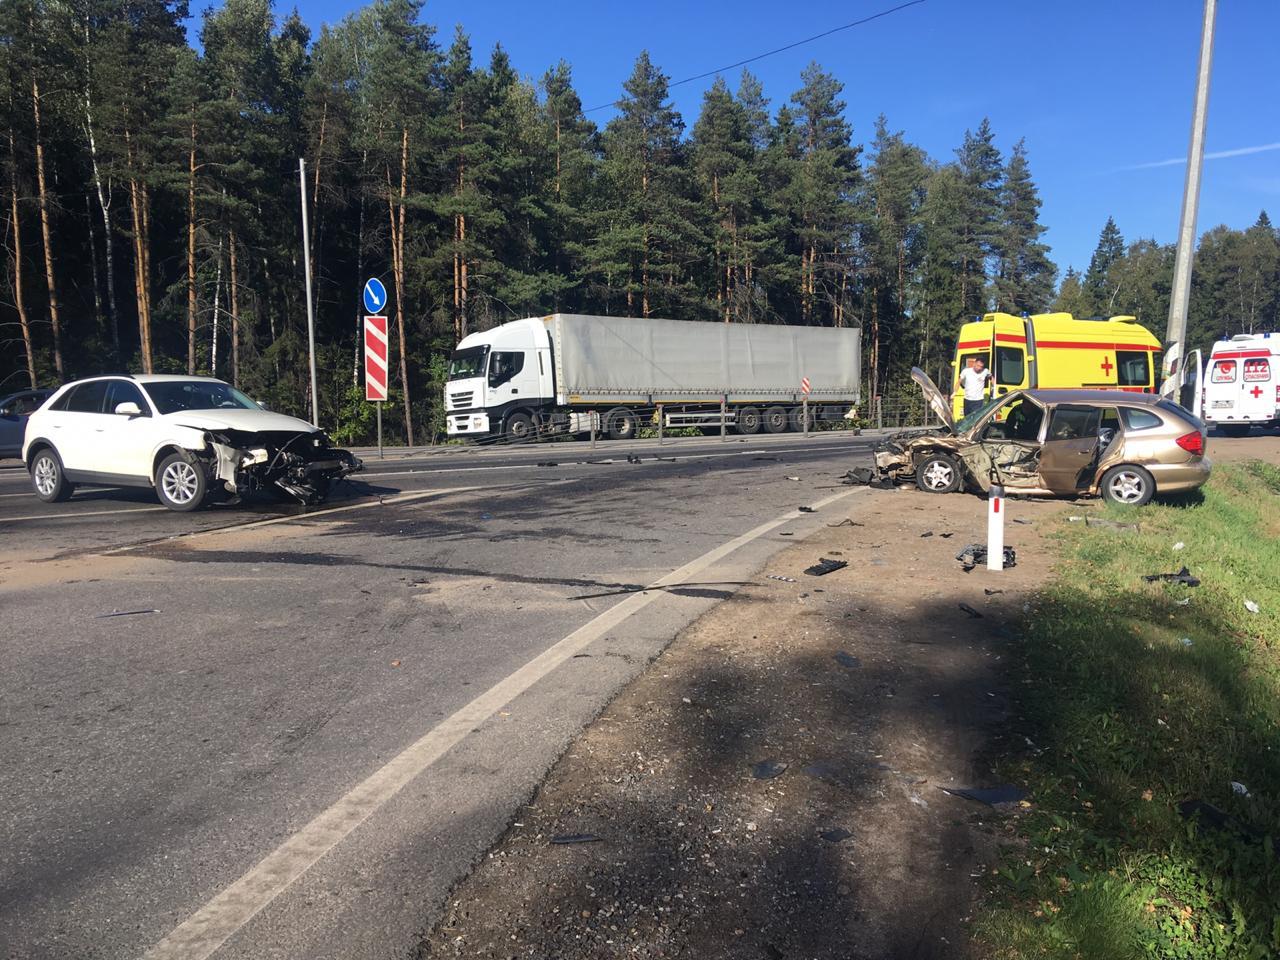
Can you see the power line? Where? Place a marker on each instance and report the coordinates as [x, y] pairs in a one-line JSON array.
[[770, 53]]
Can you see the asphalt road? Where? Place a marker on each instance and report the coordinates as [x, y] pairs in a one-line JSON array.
[[307, 725]]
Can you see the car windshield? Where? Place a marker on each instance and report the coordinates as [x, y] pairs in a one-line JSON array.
[[468, 363], [171, 396], [966, 423]]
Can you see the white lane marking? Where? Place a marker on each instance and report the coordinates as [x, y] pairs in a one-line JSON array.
[[209, 927], [77, 516]]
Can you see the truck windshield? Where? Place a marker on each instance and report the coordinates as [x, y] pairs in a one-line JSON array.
[[465, 364]]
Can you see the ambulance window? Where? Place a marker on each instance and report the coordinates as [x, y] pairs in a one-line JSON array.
[[1135, 419], [1256, 370], [1010, 367], [1133, 368], [1224, 371]]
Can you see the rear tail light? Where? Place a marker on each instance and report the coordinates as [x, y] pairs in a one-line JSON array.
[[1192, 443]]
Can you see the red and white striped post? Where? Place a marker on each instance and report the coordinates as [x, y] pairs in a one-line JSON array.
[[995, 528], [375, 366]]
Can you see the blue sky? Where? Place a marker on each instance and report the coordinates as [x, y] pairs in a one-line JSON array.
[[1096, 88]]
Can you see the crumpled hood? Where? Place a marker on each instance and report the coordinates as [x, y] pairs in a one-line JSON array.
[[240, 419]]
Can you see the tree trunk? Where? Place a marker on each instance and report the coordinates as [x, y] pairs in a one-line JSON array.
[[19, 301], [235, 310], [397, 267], [359, 340], [104, 203], [93, 263], [50, 281], [217, 291], [141, 257], [191, 249]]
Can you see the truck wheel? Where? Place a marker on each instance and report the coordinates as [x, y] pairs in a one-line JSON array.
[[48, 480], [939, 473], [518, 428], [620, 424], [748, 420], [180, 484], [1236, 429], [775, 420], [1128, 484], [797, 419]]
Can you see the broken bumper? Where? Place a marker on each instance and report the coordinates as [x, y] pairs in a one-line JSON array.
[[302, 466]]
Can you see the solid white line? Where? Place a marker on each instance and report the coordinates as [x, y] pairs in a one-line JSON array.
[[76, 516], [210, 926]]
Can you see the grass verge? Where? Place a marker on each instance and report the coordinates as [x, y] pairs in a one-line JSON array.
[[1141, 705]]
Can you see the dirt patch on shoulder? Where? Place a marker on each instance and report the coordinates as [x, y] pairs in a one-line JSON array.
[[770, 787]]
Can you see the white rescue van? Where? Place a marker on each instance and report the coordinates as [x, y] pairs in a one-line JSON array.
[[1242, 383]]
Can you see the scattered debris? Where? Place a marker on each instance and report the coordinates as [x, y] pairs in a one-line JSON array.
[[764, 458], [826, 565], [928, 533], [1185, 601], [567, 838], [1182, 576], [991, 593], [1025, 523], [1005, 793], [806, 509], [976, 553], [548, 463], [947, 536], [848, 660], [1109, 524], [847, 522], [1186, 641], [774, 576], [1179, 545], [786, 534], [123, 613], [395, 663], [1211, 816], [1239, 789], [827, 772], [974, 614], [835, 835], [1075, 519], [768, 769], [797, 479], [1252, 607], [633, 458]]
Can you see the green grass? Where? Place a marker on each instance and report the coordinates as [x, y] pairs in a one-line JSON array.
[[1125, 721]]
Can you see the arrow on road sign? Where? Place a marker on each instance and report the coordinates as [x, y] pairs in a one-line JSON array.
[[375, 295]]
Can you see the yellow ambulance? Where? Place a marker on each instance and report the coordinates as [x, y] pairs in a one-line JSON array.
[[1051, 350]]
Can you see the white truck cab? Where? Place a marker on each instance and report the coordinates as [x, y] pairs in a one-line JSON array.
[[1242, 383], [499, 379]]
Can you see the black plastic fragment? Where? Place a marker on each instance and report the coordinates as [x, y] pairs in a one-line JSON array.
[[547, 463], [976, 553], [826, 565], [928, 533], [1004, 793], [991, 593], [835, 835], [632, 458], [567, 838], [847, 522], [970, 611], [1182, 576], [123, 613], [848, 660], [768, 769], [806, 509]]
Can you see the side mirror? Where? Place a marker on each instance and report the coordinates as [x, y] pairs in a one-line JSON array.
[[128, 409]]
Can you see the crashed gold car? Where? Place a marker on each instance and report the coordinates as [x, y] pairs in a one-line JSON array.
[[1125, 447]]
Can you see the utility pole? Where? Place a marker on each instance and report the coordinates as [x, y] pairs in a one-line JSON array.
[[1177, 331], [311, 312]]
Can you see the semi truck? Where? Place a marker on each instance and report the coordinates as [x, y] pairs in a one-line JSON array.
[[574, 374]]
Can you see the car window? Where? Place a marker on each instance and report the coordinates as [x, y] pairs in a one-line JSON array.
[[1224, 371], [88, 397], [171, 396], [1256, 369], [122, 391], [1180, 411], [1074, 423], [22, 404], [1133, 368], [1110, 419], [1010, 365], [1021, 421], [1137, 419]]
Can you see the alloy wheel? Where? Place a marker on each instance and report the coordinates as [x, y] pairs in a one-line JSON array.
[[180, 482], [45, 476], [938, 475], [1127, 487]]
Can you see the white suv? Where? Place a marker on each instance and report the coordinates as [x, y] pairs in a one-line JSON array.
[[188, 437]]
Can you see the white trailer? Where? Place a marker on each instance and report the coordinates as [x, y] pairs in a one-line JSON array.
[[1242, 383], [570, 373]]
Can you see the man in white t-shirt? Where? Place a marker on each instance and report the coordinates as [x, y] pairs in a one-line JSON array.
[[973, 380]]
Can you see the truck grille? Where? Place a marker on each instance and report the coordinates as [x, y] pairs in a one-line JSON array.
[[461, 401]]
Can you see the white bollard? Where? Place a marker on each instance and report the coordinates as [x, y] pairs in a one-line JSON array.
[[995, 528]]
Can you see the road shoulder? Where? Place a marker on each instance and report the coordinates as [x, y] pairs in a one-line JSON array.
[[770, 786]]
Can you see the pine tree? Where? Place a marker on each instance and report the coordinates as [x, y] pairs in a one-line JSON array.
[[982, 172], [1071, 296], [1098, 289], [1024, 274], [570, 140]]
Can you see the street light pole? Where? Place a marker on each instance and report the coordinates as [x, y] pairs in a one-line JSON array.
[[311, 313], [1178, 302]]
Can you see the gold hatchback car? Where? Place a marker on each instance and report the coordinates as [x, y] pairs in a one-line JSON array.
[[1125, 447]]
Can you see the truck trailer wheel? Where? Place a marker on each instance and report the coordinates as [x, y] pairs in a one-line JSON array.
[[775, 420], [620, 424], [748, 420], [797, 418]]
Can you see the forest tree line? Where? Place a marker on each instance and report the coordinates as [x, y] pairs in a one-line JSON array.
[[153, 207]]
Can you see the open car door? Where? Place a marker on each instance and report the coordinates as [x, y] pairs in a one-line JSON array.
[[1191, 391], [1070, 450], [933, 396]]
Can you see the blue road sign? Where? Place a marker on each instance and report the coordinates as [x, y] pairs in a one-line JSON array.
[[375, 295]]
